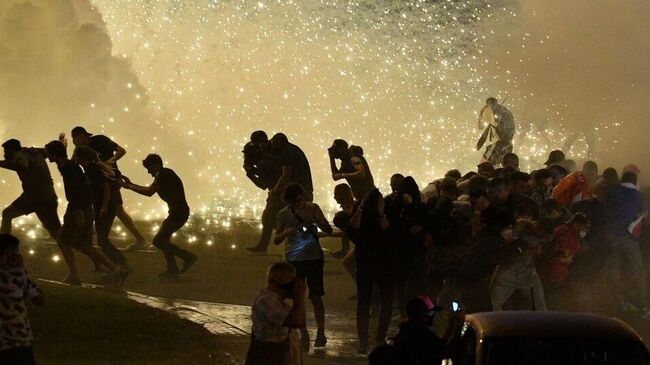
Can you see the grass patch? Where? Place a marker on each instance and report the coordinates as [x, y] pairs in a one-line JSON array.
[[96, 326]]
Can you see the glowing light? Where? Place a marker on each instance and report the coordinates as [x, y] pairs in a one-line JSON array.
[[56, 258]]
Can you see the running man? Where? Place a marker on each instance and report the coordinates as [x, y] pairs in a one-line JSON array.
[[170, 189], [110, 152], [77, 231], [38, 188]]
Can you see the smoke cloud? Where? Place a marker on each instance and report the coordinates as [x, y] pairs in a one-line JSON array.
[[580, 67]]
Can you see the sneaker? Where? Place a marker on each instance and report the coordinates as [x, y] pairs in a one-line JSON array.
[[321, 340], [72, 281], [363, 348], [256, 249], [187, 264], [137, 246]]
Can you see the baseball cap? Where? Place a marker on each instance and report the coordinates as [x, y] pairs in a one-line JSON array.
[[79, 130], [554, 157], [12, 144]]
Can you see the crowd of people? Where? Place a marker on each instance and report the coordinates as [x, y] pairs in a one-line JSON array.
[[493, 239], [92, 184]]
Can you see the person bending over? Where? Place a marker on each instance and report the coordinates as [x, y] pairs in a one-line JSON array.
[[169, 188]]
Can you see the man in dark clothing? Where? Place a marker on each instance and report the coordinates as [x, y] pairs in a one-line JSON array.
[[38, 188], [170, 189], [366, 226], [109, 153], [625, 205], [77, 231], [354, 168], [263, 169], [295, 167], [103, 203]]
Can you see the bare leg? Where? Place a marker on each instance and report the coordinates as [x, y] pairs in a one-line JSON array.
[[98, 256], [126, 219], [348, 263], [68, 256], [7, 216], [319, 314]]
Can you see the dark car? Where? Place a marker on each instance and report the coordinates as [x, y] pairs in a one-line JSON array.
[[548, 338]]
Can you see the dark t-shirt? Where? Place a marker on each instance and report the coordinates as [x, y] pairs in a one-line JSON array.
[[77, 189], [98, 182], [103, 145], [171, 190], [34, 174], [360, 186], [300, 170]]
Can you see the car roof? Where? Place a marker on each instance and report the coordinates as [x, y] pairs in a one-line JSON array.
[[550, 324]]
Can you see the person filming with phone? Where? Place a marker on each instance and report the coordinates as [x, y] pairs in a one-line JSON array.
[[298, 224], [416, 342], [272, 340]]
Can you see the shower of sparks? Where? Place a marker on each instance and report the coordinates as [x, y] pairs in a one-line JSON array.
[[403, 79]]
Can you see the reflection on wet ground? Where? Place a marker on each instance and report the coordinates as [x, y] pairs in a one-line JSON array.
[[229, 319]]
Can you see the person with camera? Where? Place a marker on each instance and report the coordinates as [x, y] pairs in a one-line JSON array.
[[298, 224], [272, 339]]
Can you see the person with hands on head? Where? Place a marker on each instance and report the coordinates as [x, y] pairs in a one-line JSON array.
[[272, 340], [169, 188]]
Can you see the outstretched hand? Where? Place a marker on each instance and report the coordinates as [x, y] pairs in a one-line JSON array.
[[124, 181]]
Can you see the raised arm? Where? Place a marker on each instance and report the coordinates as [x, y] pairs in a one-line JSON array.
[[283, 180], [19, 163]]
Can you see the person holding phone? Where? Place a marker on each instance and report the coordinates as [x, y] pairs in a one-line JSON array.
[[297, 225]]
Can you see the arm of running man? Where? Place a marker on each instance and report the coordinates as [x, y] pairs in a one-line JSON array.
[[150, 190]]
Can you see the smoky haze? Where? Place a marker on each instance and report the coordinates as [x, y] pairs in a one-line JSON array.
[[192, 80], [580, 65]]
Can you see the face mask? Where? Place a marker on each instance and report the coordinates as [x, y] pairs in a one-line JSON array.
[[583, 234]]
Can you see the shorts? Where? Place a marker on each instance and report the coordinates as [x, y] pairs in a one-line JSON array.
[[274, 204], [312, 272], [45, 210], [116, 196], [78, 235]]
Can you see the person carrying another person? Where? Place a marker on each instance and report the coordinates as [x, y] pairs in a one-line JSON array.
[[298, 225], [263, 169]]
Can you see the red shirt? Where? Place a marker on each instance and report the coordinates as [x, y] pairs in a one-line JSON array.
[[565, 244]]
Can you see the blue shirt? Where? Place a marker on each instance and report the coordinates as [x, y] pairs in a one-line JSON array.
[[623, 205]]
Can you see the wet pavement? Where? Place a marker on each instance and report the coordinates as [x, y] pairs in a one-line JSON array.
[[229, 319]]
